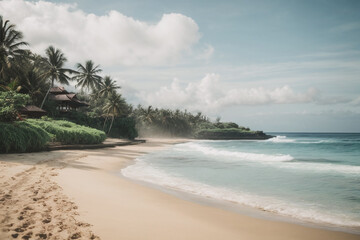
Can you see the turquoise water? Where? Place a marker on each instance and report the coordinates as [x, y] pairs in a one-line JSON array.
[[308, 176]]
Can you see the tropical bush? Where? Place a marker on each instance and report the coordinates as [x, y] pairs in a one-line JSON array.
[[22, 136], [69, 133], [10, 102], [230, 133], [33, 135], [123, 127]]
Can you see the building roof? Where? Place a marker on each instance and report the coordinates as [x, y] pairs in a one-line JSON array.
[[60, 97], [59, 94], [58, 90], [70, 98], [32, 108]]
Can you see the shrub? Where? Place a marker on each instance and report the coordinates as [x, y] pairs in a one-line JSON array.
[[8, 114], [70, 133], [34, 134], [123, 127], [22, 137], [230, 133], [10, 103]]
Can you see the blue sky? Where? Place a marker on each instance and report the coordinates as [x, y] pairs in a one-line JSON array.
[[270, 65]]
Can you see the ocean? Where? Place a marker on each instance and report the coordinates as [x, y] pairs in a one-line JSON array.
[[312, 177]]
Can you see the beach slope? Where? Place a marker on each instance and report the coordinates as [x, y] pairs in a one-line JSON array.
[[110, 206]]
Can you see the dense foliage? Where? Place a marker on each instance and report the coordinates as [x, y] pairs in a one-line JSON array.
[[123, 127], [22, 136], [10, 102], [33, 135], [68, 132], [229, 133], [227, 130], [166, 122]]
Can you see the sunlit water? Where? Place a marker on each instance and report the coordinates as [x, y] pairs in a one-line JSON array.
[[312, 177]]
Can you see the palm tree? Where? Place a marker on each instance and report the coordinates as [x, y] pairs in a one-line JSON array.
[[86, 76], [148, 115], [108, 86], [10, 46], [55, 68], [33, 79], [115, 106]]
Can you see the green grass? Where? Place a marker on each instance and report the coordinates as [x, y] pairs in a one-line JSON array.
[[33, 135]]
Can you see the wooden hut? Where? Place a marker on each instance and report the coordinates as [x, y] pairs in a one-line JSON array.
[[32, 111], [65, 101]]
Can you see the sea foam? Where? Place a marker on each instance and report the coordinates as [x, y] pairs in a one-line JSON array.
[[240, 155], [280, 139], [307, 212], [284, 161]]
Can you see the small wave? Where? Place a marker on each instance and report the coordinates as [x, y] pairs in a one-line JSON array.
[[323, 167], [144, 172], [240, 155], [281, 139]]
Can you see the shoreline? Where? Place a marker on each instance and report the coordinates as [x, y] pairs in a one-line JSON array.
[[118, 207], [245, 210]]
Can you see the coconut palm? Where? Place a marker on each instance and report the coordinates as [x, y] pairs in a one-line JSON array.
[[107, 87], [33, 79], [115, 106], [148, 115], [10, 46], [55, 68], [86, 76]]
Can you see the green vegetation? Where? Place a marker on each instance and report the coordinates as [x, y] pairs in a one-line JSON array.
[[166, 122], [229, 133], [123, 127], [24, 72], [227, 130], [69, 133], [10, 102], [26, 78], [34, 135], [22, 136]]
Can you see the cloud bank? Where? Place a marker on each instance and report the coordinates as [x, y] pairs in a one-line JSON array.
[[210, 95], [111, 39]]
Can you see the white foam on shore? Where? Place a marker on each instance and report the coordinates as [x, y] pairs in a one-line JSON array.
[[306, 212]]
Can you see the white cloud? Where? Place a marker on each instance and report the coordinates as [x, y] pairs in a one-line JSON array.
[[210, 95], [111, 39]]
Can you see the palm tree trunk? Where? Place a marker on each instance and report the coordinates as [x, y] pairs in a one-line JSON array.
[[112, 120], [106, 119], [47, 93]]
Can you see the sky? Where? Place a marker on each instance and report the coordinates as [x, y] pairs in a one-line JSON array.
[[272, 65]]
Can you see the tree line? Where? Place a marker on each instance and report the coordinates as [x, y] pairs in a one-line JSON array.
[[25, 72]]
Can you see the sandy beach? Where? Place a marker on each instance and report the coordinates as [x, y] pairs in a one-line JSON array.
[[80, 194]]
